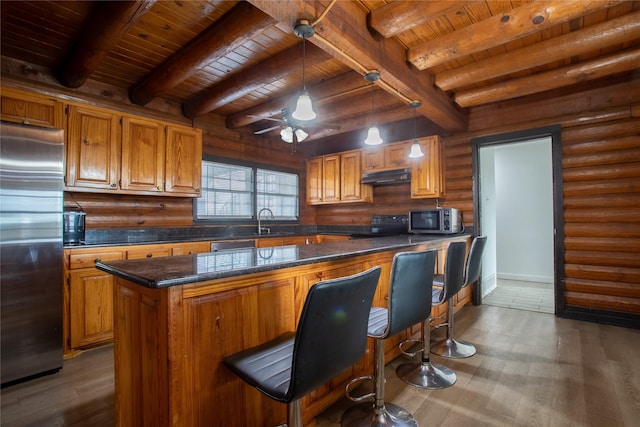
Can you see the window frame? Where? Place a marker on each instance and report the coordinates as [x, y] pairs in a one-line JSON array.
[[254, 168]]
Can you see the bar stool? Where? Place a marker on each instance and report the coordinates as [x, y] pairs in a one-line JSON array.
[[409, 303], [331, 336], [424, 374], [451, 347]]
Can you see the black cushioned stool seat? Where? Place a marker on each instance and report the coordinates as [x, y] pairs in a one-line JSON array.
[[331, 336], [409, 303], [450, 347]]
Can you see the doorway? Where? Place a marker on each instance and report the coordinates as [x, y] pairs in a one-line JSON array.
[[517, 207]]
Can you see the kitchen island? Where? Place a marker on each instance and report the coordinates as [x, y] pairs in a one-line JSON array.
[[176, 318]]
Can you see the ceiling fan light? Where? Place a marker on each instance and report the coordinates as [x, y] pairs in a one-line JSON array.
[[373, 136], [287, 134], [301, 135], [304, 109], [416, 151]]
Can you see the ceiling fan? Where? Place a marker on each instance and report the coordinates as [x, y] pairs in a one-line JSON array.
[[292, 130]]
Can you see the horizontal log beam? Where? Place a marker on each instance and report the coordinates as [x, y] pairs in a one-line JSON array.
[[251, 79], [592, 38], [400, 16], [241, 23], [601, 67], [501, 29], [102, 31], [343, 33]]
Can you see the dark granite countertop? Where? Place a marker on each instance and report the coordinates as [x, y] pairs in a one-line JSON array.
[[180, 270]]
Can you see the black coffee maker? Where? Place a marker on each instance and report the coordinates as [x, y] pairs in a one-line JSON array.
[[73, 226]]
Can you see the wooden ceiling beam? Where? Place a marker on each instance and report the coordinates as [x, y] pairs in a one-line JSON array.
[[608, 33], [320, 93], [105, 27], [597, 68], [400, 16], [343, 33], [240, 84], [501, 29], [241, 23]]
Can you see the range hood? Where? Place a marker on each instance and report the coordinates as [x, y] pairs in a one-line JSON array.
[[397, 176]]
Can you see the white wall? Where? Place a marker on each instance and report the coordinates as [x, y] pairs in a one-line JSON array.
[[488, 218], [524, 211]]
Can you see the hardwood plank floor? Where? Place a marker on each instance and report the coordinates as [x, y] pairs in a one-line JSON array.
[[531, 369]]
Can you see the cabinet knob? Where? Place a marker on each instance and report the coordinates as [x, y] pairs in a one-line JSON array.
[[98, 260], [113, 185], [149, 255]]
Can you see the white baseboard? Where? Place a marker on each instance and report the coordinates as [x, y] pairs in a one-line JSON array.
[[525, 278], [489, 283]]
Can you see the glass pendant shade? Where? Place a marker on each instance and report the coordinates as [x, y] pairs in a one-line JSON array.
[[304, 109], [416, 151], [373, 136], [287, 134]]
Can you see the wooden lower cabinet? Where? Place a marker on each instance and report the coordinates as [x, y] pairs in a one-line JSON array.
[[88, 294], [185, 331]]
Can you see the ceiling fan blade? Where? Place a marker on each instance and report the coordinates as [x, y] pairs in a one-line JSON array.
[[265, 118], [321, 126], [260, 132]]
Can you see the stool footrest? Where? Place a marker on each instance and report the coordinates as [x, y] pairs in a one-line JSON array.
[[410, 342], [356, 382]]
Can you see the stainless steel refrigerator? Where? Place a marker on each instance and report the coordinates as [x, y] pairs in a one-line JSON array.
[[31, 202]]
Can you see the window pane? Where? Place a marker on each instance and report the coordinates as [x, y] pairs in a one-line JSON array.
[[277, 191], [227, 192]]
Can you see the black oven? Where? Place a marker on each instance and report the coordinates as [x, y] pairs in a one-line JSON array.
[[385, 225]]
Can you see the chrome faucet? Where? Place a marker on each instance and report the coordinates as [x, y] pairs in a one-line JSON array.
[[260, 227]]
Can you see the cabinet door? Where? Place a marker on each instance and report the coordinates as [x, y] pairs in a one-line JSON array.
[[143, 153], [314, 180], [331, 178], [31, 109], [372, 159], [350, 175], [396, 156], [427, 179], [93, 148], [90, 307], [183, 170]]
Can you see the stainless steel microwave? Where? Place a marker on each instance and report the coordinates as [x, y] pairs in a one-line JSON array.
[[435, 221]]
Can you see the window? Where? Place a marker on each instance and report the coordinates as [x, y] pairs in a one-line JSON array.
[[232, 192], [277, 191]]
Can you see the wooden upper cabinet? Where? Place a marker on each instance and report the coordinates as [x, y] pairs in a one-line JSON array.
[[314, 180], [335, 178], [427, 172], [31, 109], [93, 148], [183, 160], [331, 178], [372, 159], [350, 176], [143, 145], [388, 157]]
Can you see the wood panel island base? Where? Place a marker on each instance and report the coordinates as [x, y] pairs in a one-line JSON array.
[[177, 318]]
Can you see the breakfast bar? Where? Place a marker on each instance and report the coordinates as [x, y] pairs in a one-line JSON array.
[[176, 318]]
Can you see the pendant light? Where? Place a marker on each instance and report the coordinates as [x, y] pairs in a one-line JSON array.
[[304, 109], [416, 151], [287, 134], [373, 134]]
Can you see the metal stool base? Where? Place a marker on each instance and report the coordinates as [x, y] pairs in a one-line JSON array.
[[366, 414], [453, 349], [426, 375]]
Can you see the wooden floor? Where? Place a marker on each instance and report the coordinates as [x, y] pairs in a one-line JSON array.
[[531, 369]]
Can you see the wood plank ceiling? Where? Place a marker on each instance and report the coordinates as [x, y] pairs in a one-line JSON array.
[[238, 60]]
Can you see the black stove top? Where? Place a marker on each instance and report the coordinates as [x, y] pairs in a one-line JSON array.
[[385, 225]]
